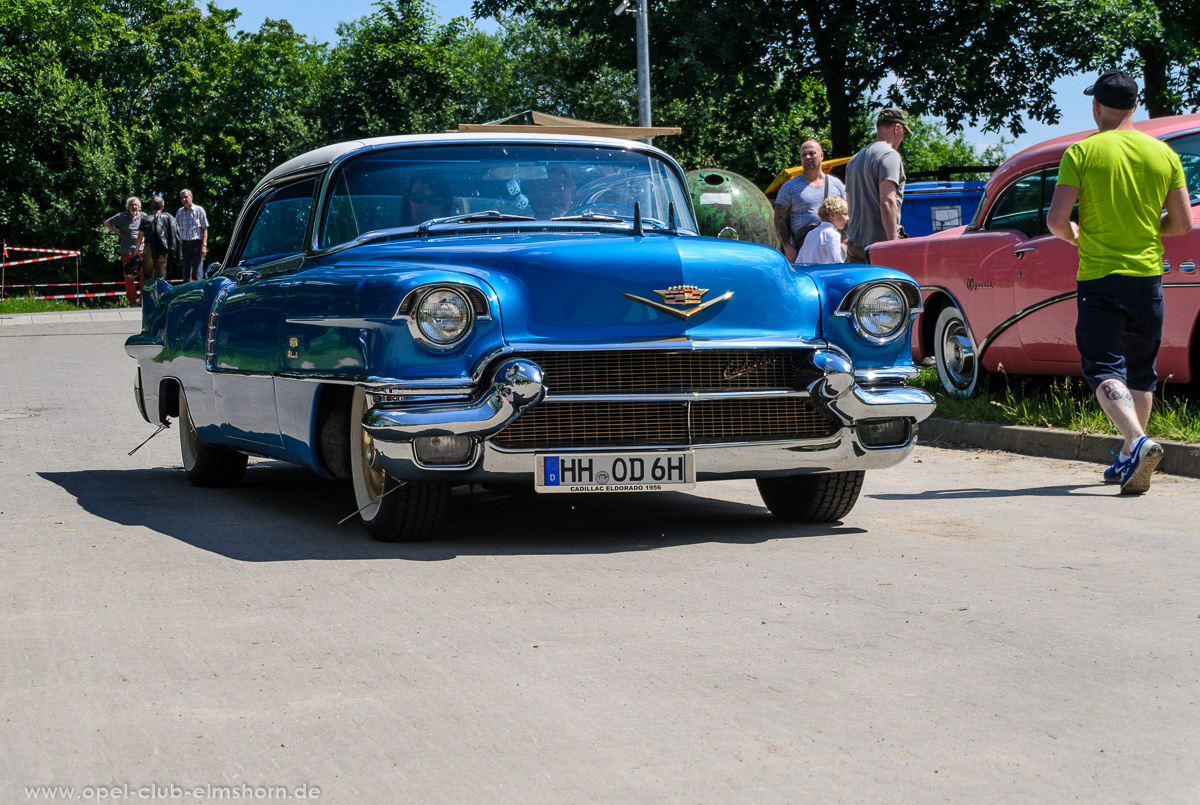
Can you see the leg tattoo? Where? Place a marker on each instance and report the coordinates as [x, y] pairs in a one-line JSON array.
[[1116, 391]]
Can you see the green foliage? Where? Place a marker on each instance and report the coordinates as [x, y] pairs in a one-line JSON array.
[[1158, 38]]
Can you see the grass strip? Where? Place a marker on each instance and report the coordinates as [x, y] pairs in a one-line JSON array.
[[1065, 403]]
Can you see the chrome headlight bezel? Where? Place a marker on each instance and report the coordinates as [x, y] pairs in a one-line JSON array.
[[907, 294], [413, 311]]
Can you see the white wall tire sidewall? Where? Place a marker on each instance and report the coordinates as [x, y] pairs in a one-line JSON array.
[[369, 506], [944, 322]]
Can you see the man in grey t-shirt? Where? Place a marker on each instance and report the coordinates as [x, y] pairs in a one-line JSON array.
[[875, 186], [801, 196], [125, 225]]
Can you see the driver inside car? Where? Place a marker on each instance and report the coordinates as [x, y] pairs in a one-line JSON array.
[[427, 196]]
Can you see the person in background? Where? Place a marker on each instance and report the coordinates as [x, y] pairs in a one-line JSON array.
[[193, 230], [125, 225], [160, 232], [801, 196], [875, 186], [427, 196], [824, 244], [1123, 180]]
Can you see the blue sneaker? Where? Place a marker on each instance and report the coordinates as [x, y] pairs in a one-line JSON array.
[[1136, 473], [1112, 475]]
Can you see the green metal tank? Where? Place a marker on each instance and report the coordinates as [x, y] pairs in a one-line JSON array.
[[724, 199]]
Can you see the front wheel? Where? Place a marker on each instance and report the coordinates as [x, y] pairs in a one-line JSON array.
[[817, 498], [203, 464], [957, 358], [391, 510]]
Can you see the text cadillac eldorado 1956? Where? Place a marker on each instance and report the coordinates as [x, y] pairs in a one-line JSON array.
[[416, 312]]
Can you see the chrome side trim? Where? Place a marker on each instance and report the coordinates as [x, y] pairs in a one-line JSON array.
[[214, 317], [1004, 326], [892, 374]]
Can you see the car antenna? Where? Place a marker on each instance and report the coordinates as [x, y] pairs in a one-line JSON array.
[[637, 219]]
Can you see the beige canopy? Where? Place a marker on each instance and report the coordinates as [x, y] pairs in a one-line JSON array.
[[531, 122]]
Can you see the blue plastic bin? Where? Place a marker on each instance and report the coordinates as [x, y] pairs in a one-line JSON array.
[[933, 206]]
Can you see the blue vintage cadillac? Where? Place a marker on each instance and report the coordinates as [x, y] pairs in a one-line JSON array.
[[411, 313]]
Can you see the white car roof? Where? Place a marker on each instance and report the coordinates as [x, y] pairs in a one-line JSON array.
[[330, 153]]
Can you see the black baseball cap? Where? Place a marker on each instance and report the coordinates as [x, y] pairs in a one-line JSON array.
[[1115, 89]]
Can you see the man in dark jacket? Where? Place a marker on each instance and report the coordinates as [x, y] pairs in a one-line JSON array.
[[160, 232]]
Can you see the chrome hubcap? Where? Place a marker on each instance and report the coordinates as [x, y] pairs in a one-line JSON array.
[[958, 354]]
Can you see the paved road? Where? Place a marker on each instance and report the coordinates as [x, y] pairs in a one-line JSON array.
[[982, 628]]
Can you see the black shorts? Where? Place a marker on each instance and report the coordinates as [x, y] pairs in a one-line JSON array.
[[1119, 330]]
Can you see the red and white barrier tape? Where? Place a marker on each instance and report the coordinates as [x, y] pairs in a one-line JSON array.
[[41, 259], [82, 295], [58, 285], [69, 252]]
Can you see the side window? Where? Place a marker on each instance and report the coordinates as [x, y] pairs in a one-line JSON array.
[[1020, 208], [278, 230], [1188, 148]]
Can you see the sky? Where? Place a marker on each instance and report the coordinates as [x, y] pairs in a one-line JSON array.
[[319, 21]]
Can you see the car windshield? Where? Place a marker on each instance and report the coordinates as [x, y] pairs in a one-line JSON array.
[[511, 182], [1188, 148]]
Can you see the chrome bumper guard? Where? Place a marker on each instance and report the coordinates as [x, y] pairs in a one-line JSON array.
[[519, 383], [515, 385], [850, 402]]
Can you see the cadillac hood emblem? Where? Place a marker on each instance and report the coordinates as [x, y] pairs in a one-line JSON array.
[[681, 295]]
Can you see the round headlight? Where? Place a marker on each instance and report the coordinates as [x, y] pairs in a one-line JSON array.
[[880, 312], [444, 315]]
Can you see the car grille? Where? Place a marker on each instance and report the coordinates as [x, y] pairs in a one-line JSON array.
[[665, 371], [633, 424]]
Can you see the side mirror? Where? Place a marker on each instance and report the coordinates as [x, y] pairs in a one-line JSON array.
[[728, 233], [212, 270]]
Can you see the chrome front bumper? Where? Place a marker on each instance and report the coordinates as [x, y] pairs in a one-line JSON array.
[[519, 383]]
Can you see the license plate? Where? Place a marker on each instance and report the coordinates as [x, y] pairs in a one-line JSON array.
[[615, 472]]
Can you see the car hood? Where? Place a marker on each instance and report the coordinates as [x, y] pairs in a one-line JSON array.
[[588, 287]]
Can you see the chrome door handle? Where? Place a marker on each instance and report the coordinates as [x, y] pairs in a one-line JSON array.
[[1020, 253], [247, 275]]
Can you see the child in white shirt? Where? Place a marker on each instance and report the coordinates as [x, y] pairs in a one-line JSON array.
[[824, 244]]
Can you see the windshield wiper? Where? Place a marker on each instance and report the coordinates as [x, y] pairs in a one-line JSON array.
[[590, 216], [470, 217], [607, 218]]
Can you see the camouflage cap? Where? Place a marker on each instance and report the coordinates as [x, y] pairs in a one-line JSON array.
[[893, 115]]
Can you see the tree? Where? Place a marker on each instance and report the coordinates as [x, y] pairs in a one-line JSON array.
[[974, 59], [392, 72], [1158, 38]]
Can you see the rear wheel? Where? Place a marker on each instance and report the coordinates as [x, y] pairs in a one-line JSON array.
[[205, 465], [956, 354], [391, 510], [817, 498]]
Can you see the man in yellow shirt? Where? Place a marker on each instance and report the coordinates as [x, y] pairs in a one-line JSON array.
[[1122, 180]]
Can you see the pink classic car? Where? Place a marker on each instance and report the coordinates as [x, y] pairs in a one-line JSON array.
[[1000, 293]]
